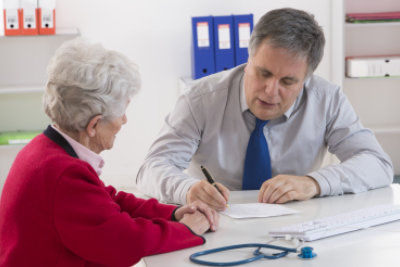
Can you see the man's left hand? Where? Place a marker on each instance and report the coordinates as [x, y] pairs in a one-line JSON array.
[[284, 188]]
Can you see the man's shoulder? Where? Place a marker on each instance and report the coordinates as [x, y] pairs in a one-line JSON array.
[[319, 87], [218, 83]]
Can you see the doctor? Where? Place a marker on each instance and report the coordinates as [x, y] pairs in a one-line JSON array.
[[266, 125]]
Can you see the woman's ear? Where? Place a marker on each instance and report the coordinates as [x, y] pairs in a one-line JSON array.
[[91, 127]]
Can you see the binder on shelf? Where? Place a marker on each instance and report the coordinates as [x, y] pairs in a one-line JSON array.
[[12, 15], [378, 66], [243, 26], [202, 47], [28, 18], [47, 16], [223, 43]]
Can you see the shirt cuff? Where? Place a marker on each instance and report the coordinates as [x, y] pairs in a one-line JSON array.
[[324, 186], [184, 188]]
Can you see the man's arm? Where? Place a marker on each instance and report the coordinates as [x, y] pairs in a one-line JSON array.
[[162, 173], [363, 163]]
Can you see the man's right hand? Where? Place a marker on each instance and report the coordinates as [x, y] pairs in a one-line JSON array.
[[207, 193]]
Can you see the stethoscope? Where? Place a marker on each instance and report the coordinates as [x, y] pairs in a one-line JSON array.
[[305, 253]]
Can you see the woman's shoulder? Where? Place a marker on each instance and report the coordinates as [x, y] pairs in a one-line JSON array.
[[45, 155]]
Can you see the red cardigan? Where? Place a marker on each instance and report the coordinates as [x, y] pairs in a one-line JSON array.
[[55, 211]]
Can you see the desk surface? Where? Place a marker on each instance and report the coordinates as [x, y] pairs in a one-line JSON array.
[[376, 246]]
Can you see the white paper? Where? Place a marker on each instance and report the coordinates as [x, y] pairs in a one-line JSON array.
[[224, 36], [202, 34], [257, 210], [244, 35]]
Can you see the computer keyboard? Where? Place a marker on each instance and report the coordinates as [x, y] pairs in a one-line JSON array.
[[341, 223]]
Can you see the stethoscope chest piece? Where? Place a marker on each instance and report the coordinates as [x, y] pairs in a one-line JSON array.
[[307, 253]]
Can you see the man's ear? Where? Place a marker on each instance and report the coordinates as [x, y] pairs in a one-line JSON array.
[[91, 127], [246, 67]]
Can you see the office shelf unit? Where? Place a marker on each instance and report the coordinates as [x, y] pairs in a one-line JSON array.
[[376, 100], [23, 76], [23, 61]]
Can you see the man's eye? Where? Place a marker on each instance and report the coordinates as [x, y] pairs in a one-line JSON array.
[[266, 74], [288, 82]]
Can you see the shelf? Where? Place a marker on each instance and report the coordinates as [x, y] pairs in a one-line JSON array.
[[366, 79], [59, 32], [17, 137], [372, 24], [389, 82], [395, 129], [21, 89]]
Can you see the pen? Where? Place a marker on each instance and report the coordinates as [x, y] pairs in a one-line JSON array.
[[210, 179]]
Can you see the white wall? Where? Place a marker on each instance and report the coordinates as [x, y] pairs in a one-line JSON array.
[[157, 36]]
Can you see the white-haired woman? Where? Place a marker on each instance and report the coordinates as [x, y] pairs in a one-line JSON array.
[[54, 209]]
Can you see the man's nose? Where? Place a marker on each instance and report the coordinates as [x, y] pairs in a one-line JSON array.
[[272, 87]]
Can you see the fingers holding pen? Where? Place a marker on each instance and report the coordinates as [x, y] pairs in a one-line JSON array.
[[218, 195], [224, 191], [207, 193]]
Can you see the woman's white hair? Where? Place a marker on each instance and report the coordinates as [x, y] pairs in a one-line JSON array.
[[85, 80]]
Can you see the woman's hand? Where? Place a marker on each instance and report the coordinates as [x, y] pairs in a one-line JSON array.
[[200, 213]]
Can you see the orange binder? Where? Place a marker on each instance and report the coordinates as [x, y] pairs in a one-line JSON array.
[[28, 17], [11, 17], [47, 17]]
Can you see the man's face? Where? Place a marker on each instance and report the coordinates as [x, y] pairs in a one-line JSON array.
[[272, 81]]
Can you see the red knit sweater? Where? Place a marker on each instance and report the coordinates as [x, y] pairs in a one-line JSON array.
[[55, 211]]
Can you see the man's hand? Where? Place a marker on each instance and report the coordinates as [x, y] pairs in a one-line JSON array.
[[207, 193], [197, 206], [284, 188]]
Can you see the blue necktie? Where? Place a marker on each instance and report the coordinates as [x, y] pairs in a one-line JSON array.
[[257, 165]]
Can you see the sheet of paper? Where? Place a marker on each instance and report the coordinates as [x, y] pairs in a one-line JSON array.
[[256, 210]]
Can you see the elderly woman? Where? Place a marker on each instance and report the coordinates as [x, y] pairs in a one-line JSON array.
[[54, 210]]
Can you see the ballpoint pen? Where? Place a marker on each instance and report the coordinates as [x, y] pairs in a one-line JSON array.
[[211, 180]]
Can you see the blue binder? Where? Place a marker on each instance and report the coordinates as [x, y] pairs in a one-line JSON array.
[[243, 27], [202, 47], [224, 43]]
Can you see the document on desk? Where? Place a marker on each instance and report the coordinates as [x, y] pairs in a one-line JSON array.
[[257, 210]]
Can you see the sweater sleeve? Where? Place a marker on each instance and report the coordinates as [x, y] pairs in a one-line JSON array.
[[92, 224], [138, 207]]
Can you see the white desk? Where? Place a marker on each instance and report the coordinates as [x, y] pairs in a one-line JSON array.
[[377, 246]]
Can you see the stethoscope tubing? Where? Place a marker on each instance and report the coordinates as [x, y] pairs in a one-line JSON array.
[[257, 254]]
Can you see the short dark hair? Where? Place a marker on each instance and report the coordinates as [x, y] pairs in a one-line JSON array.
[[291, 29]]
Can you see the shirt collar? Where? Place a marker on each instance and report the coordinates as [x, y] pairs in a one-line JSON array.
[[84, 153], [245, 107]]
